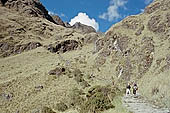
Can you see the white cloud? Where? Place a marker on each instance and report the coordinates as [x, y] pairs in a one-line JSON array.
[[112, 11], [148, 1], [86, 20]]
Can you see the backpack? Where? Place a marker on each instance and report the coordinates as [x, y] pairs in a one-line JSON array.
[[135, 88]]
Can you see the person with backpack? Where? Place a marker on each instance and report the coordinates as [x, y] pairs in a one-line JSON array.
[[128, 87], [135, 88]]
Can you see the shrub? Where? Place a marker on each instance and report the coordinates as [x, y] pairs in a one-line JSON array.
[[98, 100]]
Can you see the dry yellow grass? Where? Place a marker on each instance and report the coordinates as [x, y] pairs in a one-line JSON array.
[[21, 74]]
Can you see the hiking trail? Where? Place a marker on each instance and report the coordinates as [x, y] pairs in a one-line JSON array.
[[139, 105]]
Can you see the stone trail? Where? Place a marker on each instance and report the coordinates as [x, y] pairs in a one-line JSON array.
[[139, 105]]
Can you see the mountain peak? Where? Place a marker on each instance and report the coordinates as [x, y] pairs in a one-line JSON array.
[[83, 27]]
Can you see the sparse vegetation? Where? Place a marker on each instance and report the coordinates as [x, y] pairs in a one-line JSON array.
[[99, 98]]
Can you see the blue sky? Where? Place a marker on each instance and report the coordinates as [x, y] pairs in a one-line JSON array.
[[100, 14]]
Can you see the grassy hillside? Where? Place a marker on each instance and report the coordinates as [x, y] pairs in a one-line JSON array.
[[26, 85], [36, 79]]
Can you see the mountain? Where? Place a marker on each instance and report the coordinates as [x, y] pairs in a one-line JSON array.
[[22, 31], [137, 49], [49, 68], [83, 28]]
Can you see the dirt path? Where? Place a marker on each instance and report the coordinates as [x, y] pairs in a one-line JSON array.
[[138, 105]]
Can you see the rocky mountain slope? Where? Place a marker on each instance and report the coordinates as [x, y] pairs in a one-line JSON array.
[[139, 48], [49, 68]]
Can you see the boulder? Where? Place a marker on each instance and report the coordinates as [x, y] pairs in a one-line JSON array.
[[56, 71]]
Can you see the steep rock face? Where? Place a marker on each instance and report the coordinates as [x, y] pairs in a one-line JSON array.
[[83, 28], [32, 8]]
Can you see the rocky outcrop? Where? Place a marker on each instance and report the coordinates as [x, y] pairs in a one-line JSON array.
[[64, 46], [58, 20], [83, 28], [32, 8], [7, 49], [67, 45], [57, 71]]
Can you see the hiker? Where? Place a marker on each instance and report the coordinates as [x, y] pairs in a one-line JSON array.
[[135, 88], [128, 87], [3, 2]]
